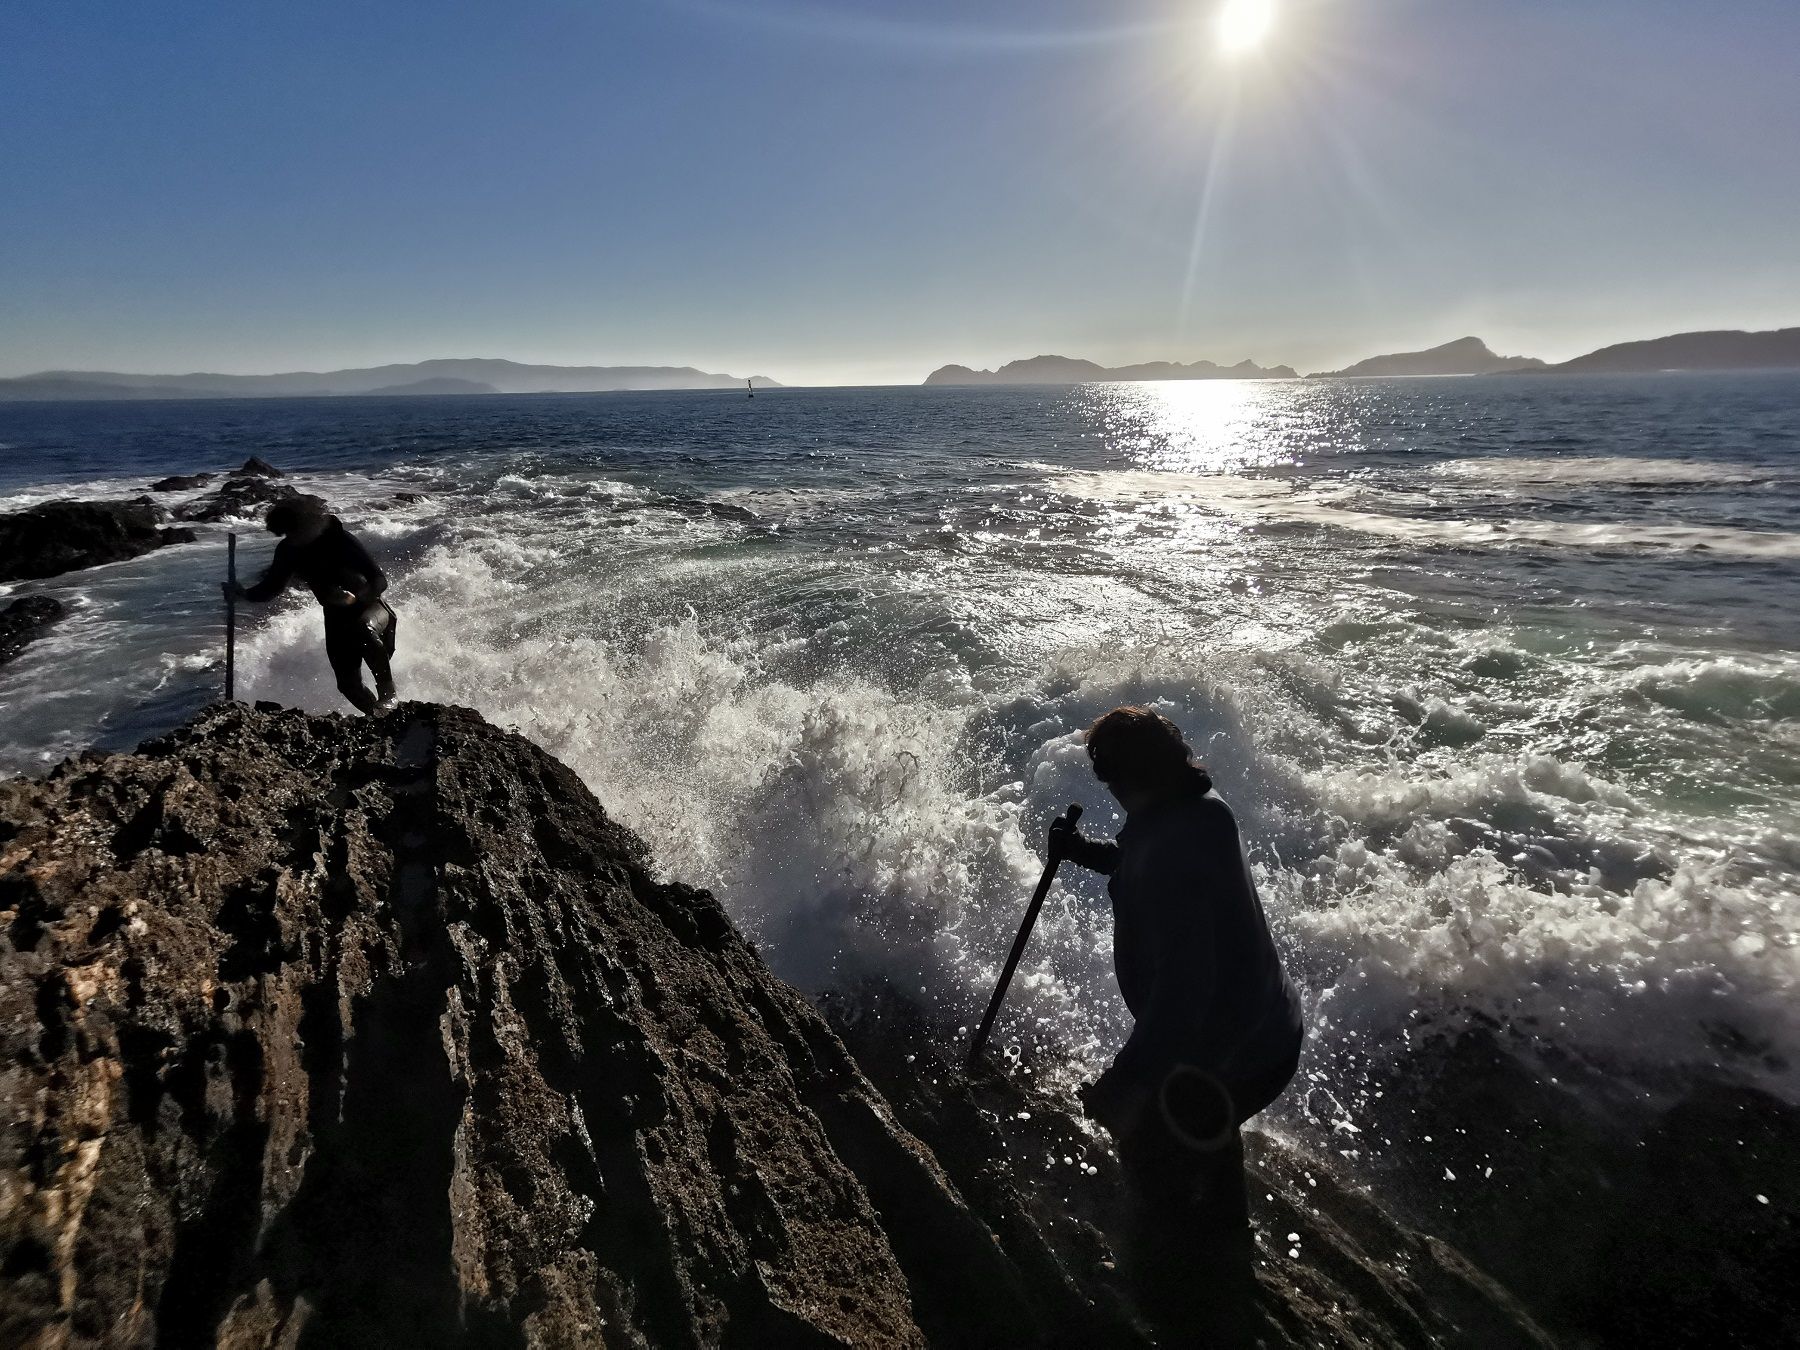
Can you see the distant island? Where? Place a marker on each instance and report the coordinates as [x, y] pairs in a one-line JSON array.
[[1465, 356], [1070, 370], [475, 375]]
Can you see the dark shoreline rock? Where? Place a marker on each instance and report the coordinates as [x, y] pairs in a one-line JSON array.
[[322, 1031], [181, 482], [408, 1048], [238, 496], [1051, 1192], [57, 537], [1620, 1220], [24, 621]]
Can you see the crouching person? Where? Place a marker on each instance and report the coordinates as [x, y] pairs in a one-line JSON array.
[[359, 626], [1217, 1031]]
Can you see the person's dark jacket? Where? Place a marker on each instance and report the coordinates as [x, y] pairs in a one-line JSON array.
[[327, 564], [1192, 948]]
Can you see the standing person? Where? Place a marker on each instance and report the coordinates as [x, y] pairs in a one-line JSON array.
[[1217, 1031], [359, 625]]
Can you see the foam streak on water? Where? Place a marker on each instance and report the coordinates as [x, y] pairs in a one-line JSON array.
[[1499, 675]]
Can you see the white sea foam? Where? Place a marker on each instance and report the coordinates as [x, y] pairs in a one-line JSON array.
[[1333, 506], [1607, 470], [1640, 981]]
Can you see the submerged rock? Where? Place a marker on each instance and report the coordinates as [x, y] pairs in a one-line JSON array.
[[24, 621], [57, 537], [321, 1031]]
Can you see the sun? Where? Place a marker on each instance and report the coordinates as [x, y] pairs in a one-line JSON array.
[[1244, 25]]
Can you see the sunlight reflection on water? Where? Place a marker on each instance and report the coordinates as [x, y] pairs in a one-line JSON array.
[[1212, 426]]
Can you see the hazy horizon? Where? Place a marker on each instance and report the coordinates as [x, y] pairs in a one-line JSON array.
[[825, 195]]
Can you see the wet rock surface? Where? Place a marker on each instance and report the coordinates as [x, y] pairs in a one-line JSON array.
[[25, 620], [241, 495], [326, 1032], [1623, 1218], [181, 482], [56, 537]]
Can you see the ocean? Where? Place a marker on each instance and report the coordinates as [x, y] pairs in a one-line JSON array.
[[1500, 676]]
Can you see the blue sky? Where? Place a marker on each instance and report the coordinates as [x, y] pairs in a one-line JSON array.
[[831, 191]]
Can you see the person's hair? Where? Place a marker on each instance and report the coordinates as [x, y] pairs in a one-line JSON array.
[[294, 512], [1141, 748]]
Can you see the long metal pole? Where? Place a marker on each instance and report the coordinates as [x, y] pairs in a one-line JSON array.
[[1072, 815], [231, 616]]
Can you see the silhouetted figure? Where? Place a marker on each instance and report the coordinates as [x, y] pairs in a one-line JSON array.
[[1218, 1028], [359, 625]]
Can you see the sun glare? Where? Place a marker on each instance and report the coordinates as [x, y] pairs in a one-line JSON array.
[[1243, 25]]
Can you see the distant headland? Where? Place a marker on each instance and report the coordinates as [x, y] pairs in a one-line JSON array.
[[475, 375], [1776, 349]]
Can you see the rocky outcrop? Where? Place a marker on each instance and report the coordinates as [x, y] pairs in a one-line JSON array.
[[24, 621], [58, 537], [181, 482], [324, 1032]]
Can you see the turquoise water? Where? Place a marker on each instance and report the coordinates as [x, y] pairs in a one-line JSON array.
[[1500, 675]]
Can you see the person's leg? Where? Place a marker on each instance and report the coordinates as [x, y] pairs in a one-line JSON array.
[[1183, 1277], [345, 643], [1225, 1248], [1188, 1251], [380, 655], [1224, 1198]]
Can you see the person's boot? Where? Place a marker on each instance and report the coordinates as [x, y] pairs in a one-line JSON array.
[[385, 697]]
